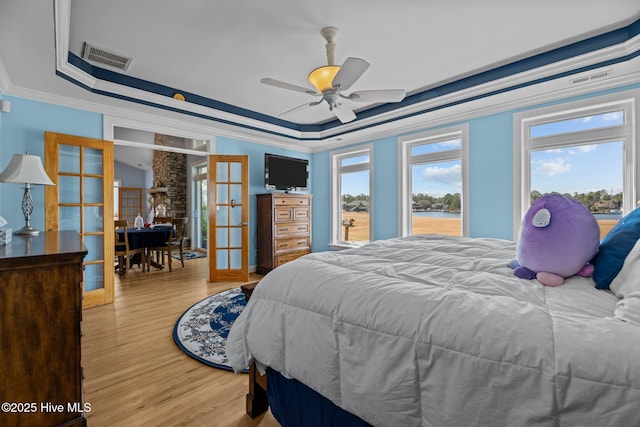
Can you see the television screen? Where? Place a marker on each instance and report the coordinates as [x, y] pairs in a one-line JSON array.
[[285, 173]]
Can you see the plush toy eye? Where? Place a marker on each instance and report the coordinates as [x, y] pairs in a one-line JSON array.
[[542, 218]]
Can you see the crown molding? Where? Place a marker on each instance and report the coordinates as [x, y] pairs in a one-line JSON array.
[[529, 96], [5, 83]]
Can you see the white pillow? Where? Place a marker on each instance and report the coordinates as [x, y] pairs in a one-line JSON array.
[[626, 285]]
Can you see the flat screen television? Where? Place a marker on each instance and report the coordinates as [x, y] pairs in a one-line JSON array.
[[285, 173]]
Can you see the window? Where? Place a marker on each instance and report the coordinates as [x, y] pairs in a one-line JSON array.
[[432, 182], [116, 197], [583, 150], [199, 174], [351, 190]]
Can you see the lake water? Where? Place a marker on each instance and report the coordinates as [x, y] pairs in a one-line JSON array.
[[435, 214]]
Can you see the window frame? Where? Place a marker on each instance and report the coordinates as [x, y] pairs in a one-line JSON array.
[[336, 172], [407, 160], [524, 144]]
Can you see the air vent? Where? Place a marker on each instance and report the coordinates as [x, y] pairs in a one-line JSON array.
[[593, 77], [105, 57]]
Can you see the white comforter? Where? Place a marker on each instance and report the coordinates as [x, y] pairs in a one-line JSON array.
[[437, 331]]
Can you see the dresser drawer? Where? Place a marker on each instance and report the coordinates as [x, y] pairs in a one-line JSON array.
[[301, 214], [285, 258], [295, 243], [291, 201], [291, 229], [287, 214], [283, 214]]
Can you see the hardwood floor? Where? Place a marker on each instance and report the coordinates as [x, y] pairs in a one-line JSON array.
[[135, 375]]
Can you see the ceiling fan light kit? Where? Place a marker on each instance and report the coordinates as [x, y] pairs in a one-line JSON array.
[[330, 80], [322, 77]]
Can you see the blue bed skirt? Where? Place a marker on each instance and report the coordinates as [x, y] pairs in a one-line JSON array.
[[294, 404]]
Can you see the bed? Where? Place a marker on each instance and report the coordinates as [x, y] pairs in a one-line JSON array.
[[434, 331]]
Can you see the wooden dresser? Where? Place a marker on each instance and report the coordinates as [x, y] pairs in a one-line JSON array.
[[284, 229], [40, 314]]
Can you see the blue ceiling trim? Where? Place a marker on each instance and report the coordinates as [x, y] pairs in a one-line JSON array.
[[151, 87], [591, 44], [176, 110], [503, 90]]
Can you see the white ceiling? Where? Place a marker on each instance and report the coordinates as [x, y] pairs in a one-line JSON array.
[[221, 49]]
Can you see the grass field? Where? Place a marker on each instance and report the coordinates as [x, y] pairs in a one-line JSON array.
[[426, 225]]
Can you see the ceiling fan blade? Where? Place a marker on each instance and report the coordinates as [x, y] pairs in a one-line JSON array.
[[299, 108], [289, 86], [386, 95], [344, 114], [350, 71]]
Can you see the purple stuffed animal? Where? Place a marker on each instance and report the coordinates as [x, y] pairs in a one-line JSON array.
[[558, 238]]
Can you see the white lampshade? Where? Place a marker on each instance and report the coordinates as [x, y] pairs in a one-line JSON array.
[[25, 169]]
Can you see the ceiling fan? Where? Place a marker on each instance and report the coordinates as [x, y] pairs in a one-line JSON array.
[[330, 80]]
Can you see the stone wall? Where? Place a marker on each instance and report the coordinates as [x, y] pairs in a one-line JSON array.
[[171, 169]]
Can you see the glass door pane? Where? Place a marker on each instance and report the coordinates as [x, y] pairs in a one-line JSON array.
[[81, 206], [229, 215]]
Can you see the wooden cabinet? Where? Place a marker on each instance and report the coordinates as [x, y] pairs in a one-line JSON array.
[[284, 229], [40, 314]]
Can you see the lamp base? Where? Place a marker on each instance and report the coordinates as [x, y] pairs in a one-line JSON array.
[[28, 230]]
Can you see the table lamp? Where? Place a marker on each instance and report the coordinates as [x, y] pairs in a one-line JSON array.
[[26, 169]]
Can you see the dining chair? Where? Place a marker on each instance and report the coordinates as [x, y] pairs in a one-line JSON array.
[[174, 242], [180, 226], [162, 219], [123, 251]]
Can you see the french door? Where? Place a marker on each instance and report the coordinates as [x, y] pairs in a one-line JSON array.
[[82, 200], [228, 218], [130, 204]]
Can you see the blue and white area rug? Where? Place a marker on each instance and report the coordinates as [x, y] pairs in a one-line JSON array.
[[202, 330]]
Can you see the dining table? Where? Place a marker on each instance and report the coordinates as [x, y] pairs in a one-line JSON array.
[[147, 237]]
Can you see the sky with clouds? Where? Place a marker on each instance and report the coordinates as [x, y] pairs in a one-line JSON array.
[[576, 169]]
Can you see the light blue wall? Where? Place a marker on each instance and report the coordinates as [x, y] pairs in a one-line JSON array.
[[490, 192], [385, 188], [256, 152], [321, 201], [130, 176], [22, 130]]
